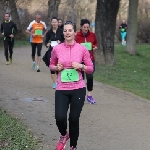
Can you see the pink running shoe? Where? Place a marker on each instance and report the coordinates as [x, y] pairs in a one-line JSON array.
[[61, 144], [71, 148]]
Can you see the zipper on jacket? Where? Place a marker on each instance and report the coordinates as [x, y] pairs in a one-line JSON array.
[[70, 56]]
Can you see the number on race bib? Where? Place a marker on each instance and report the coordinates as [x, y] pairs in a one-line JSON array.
[[38, 32], [69, 75]]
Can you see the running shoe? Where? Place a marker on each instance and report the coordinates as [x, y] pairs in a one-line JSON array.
[[7, 62], [124, 43], [71, 148], [54, 85], [38, 69], [61, 144], [90, 100], [10, 60], [33, 65]]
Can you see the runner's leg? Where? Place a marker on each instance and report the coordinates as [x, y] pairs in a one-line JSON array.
[[10, 43], [39, 48], [76, 104], [33, 51], [89, 78], [6, 50]]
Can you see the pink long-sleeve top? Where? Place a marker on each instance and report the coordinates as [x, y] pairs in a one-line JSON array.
[[66, 54]]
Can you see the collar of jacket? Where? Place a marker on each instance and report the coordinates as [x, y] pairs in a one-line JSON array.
[[85, 35], [7, 21], [68, 45]]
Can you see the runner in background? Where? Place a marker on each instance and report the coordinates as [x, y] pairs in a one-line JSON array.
[[88, 39], [67, 59], [123, 31], [8, 31], [53, 37], [60, 23], [37, 29]]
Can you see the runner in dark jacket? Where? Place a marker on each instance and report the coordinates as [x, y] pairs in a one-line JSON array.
[[53, 37], [8, 31]]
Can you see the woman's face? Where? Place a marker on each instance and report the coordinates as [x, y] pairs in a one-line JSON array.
[[69, 33], [123, 21], [59, 22], [85, 28], [54, 23]]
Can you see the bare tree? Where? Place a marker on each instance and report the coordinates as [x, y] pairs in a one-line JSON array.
[[106, 13], [132, 27], [53, 8], [14, 13]]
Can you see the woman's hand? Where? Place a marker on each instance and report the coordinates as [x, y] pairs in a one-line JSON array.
[[33, 35], [58, 42], [48, 44], [76, 65], [94, 48], [60, 66], [11, 35]]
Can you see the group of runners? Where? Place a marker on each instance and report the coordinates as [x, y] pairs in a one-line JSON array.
[[70, 55]]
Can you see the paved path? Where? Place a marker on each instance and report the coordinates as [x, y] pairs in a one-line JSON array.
[[118, 121]]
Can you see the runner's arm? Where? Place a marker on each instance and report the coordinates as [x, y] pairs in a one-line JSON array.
[[29, 29], [47, 39], [15, 29], [2, 31], [53, 60], [45, 29], [95, 43], [88, 65]]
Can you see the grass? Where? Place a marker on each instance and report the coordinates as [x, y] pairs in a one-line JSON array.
[[130, 73], [20, 43], [14, 135]]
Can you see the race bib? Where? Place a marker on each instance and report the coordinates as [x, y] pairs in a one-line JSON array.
[[54, 43], [69, 75], [38, 32], [88, 45], [122, 29]]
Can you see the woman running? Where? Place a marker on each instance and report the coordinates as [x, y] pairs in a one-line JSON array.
[[53, 37], [88, 39], [123, 32], [60, 23], [67, 59]]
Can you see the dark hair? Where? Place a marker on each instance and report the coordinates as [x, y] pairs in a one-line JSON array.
[[84, 21], [59, 19], [70, 22], [54, 18]]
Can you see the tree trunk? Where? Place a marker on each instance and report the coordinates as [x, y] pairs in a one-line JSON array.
[[106, 13], [132, 27], [2, 10], [53, 8], [14, 14]]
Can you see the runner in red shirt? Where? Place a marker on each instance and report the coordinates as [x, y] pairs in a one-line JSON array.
[[88, 38]]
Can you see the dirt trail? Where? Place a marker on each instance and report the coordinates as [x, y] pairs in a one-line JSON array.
[[118, 121]]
